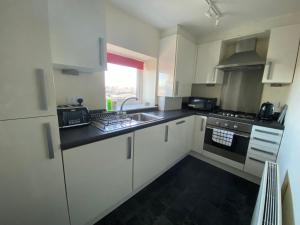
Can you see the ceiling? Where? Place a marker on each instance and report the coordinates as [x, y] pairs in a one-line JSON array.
[[166, 14]]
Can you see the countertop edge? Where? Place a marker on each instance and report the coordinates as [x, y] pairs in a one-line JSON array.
[[104, 136]]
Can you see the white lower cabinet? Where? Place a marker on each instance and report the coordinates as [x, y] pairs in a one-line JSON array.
[[150, 154], [32, 189], [190, 132], [98, 176], [199, 133], [177, 140], [264, 146], [159, 147]]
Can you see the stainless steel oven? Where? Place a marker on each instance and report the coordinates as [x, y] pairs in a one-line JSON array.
[[228, 139]]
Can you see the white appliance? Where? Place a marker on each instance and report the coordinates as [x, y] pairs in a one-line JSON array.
[[268, 209]]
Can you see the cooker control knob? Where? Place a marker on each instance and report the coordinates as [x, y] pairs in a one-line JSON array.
[[235, 126], [217, 123], [226, 124]]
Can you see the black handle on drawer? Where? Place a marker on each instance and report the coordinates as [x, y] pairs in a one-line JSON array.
[[267, 132], [263, 151], [257, 160], [267, 141], [129, 144], [180, 122]]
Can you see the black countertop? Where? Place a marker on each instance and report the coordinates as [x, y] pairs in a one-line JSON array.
[[74, 137], [78, 136]]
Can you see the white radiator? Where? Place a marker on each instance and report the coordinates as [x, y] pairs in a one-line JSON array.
[[268, 205]]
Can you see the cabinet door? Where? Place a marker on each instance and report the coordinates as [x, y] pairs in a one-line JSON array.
[[207, 58], [282, 54], [167, 59], [177, 140], [199, 133], [32, 189], [26, 87], [190, 132], [185, 66], [98, 176], [77, 34], [150, 155]]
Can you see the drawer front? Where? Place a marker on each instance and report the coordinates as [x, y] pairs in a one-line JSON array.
[[255, 164], [272, 135], [262, 150], [265, 143]]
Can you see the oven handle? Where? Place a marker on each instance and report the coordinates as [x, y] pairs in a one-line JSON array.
[[235, 133]]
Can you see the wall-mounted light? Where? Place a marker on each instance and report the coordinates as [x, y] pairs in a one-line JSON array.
[[213, 12]]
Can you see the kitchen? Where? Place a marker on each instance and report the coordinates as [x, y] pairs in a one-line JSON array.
[[213, 106]]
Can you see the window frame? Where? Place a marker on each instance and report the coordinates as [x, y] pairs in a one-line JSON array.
[[139, 88]]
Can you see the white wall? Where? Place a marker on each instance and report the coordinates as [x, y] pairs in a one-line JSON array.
[[89, 86], [289, 153], [129, 32]]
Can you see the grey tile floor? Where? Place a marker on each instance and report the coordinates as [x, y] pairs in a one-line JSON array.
[[191, 193]]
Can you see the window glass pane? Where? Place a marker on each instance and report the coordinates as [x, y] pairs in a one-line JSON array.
[[120, 82]]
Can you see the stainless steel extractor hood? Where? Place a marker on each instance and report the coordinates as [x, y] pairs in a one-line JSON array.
[[244, 58]]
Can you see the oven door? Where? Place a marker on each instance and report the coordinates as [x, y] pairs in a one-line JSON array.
[[236, 152]]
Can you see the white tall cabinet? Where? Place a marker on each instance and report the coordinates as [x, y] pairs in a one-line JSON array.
[[282, 55], [208, 57], [26, 87], [32, 189], [98, 176], [177, 59]]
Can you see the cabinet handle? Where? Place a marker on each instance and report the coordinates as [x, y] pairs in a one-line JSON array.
[[47, 127], [176, 88], [166, 133], [267, 132], [215, 75], [180, 122], [267, 141], [129, 146], [202, 124], [102, 51], [42, 86], [268, 69], [263, 151], [257, 160]]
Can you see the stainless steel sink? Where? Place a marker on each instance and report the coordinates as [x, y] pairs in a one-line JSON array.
[[144, 117]]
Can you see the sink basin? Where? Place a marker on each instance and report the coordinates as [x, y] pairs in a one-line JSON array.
[[144, 117]]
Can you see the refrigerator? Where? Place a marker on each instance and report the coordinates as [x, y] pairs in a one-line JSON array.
[[32, 188]]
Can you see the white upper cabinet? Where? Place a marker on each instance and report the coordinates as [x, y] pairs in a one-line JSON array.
[[282, 55], [77, 34], [207, 58], [26, 87], [177, 60]]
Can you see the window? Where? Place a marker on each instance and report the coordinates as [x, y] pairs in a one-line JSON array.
[[121, 82], [123, 78]]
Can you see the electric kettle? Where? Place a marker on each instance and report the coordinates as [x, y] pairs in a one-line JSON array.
[[266, 111]]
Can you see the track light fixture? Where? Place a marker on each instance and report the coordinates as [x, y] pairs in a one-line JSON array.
[[213, 12]]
